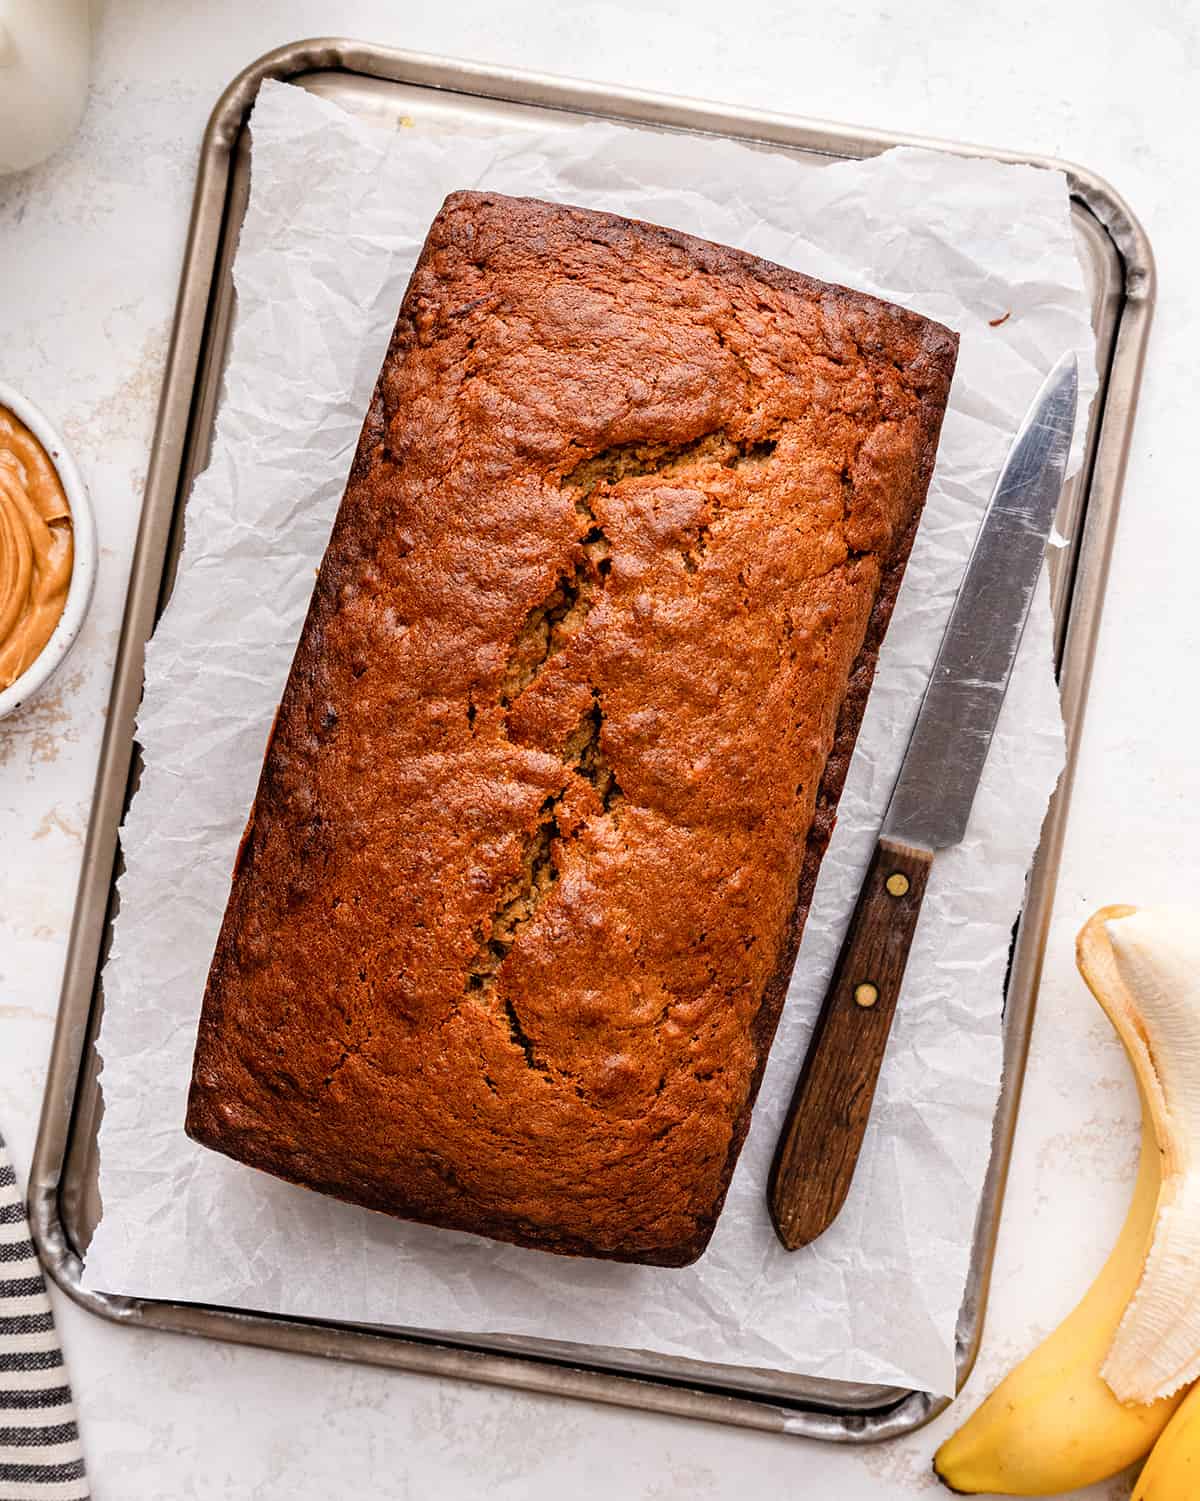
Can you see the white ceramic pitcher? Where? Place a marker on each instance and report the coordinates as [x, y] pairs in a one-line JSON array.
[[44, 47]]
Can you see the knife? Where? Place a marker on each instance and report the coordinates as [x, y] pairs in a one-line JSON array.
[[930, 804]]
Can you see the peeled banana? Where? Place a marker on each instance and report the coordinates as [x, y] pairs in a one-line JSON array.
[[1053, 1424], [1144, 967]]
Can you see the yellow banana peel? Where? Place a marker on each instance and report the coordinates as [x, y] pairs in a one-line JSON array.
[[1144, 968], [1053, 1424], [1172, 1473]]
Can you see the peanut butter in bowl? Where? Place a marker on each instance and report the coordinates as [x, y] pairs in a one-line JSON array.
[[37, 548]]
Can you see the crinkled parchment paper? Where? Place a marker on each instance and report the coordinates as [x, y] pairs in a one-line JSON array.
[[337, 214]]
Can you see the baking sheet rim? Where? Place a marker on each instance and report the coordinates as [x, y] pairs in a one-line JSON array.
[[878, 1412]]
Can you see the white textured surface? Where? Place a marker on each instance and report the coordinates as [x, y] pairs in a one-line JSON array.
[[877, 1298], [89, 253]]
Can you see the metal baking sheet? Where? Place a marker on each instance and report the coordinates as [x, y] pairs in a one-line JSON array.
[[383, 84]]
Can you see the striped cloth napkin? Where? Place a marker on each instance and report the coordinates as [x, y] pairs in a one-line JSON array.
[[40, 1457]]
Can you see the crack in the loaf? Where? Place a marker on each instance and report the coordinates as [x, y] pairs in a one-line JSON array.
[[667, 460], [522, 1039], [585, 754], [518, 904], [626, 460], [521, 898], [550, 625]]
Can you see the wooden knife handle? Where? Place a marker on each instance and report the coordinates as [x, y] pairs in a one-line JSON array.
[[819, 1145]]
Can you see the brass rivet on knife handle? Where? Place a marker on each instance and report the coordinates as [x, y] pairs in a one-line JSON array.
[[819, 1145]]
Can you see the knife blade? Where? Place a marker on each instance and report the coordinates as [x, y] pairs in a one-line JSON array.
[[928, 811]]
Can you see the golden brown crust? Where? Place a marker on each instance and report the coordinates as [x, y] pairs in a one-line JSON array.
[[565, 732]]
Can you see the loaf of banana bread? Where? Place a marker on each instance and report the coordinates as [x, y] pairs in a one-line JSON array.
[[563, 740]]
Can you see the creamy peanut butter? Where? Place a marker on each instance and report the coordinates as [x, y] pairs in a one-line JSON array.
[[37, 547]]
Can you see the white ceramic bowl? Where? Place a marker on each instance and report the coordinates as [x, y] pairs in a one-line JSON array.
[[83, 570]]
